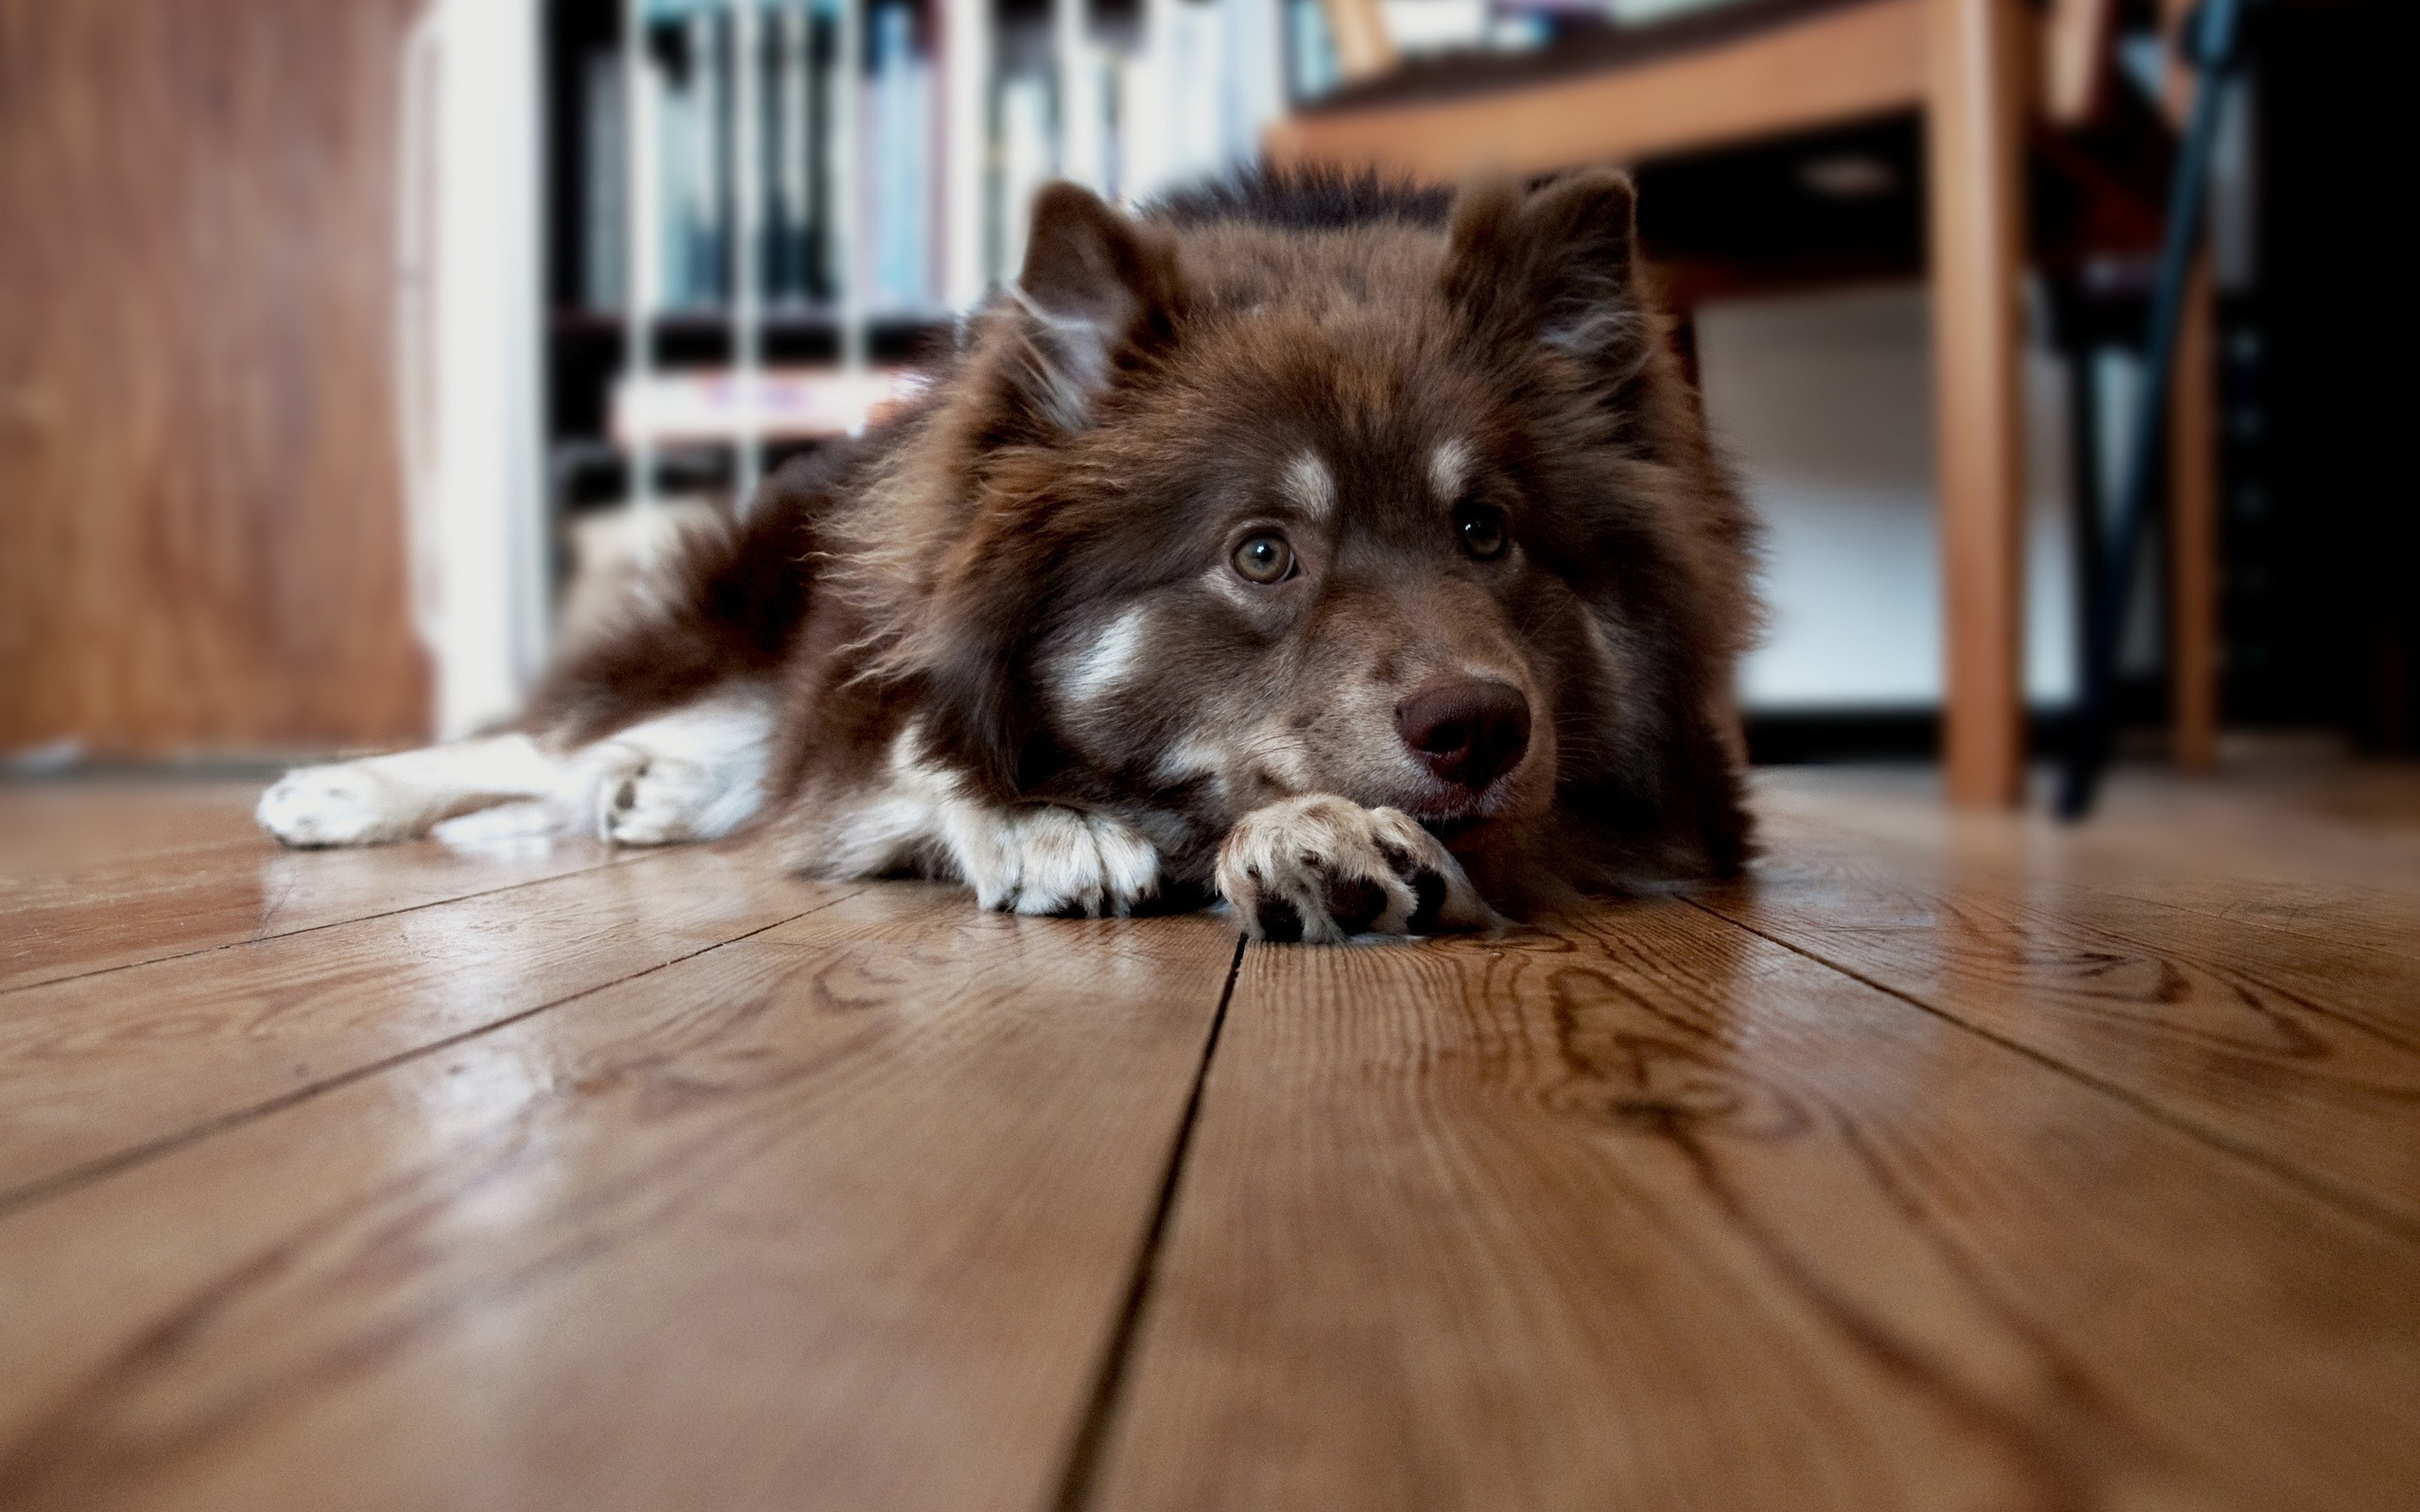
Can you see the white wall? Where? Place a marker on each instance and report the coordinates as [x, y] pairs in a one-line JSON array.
[[468, 317], [1824, 403]]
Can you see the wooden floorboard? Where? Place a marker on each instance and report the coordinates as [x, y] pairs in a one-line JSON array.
[[1954, 1161], [1649, 1212], [2304, 1052], [114, 876], [48, 828], [103, 1067], [2339, 916], [2337, 862], [841, 1214]]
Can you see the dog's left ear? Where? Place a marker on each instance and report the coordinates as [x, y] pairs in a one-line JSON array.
[[1554, 265], [1097, 289]]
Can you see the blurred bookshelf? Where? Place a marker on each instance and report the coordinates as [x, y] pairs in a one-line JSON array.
[[723, 195], [729, 208], [646, 249], [760, 215]]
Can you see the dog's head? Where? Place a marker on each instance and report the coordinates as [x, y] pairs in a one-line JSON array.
[[1415, 514]]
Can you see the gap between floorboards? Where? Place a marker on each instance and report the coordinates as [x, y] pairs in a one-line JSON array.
[[1077, 1479], [46, 1187], [617, 859], [2351, 1203]]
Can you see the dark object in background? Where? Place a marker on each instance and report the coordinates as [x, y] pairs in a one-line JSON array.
[[2318, 512], [2320, 540], [2211, 41]]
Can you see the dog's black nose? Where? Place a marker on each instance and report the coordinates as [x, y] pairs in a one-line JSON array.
[[1469, 733]]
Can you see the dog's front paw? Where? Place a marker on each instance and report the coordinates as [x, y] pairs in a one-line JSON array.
[[1044, 859], [1318, 868], [346, 803]]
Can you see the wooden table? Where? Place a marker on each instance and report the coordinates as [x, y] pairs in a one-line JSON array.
[[1952, 1161]]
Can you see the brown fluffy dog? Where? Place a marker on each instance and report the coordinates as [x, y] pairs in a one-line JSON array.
[[1352, 553]]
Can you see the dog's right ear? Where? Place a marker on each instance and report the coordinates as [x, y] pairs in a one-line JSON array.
[[1098, 290], [1555, 265]]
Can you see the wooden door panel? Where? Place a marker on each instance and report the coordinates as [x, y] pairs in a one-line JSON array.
[[202, 542]]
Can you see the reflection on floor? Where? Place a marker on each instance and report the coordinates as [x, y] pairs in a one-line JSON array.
[[1953, 1161]]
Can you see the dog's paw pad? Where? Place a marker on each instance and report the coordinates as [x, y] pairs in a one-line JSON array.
[[341, 804], [1356, 903], [1273, 919], [1320, 869]]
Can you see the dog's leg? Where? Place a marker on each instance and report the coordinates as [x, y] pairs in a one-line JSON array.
[[1320, 867], [1041, 858], [396, 798], [697, 773], [1033, 858], [1025, 858]]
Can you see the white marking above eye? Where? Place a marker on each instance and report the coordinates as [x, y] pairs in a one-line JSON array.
[[1310, 486], [1449, 468]]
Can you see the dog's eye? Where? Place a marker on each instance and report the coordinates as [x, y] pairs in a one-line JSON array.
[[1481, 527], [1264, 559]]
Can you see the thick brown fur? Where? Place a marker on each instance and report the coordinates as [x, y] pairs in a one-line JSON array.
[[1022, 594]]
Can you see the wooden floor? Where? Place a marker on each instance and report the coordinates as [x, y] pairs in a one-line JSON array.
[[1949, 1163]]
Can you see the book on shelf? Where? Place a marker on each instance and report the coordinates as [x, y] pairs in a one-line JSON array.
[[698, 125], [899, 244], [604, 213], [692, 51], [822, 232], [793, 83], [1190, 99], [1310, 54]]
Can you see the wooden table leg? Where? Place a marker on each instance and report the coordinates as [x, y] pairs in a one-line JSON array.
[[1975, 146]]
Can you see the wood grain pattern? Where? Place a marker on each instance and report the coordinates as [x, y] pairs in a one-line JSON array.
[[2082, 1180], [839, 1216], [2307, 1054], [2336, 881], [2333, 914], [48, 828], [101, 1066], [1975, 199], [201, 545], [1839, 65], [99, 888], [1651, 1213]]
